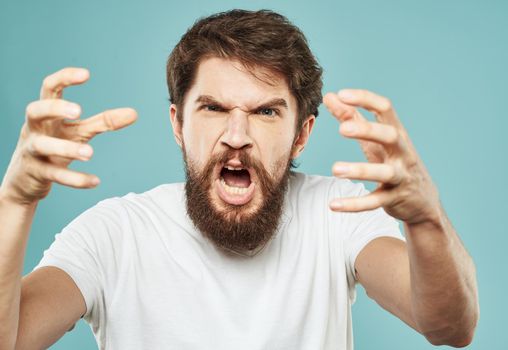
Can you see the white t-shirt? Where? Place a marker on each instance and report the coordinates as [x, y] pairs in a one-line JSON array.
[[152, 281]]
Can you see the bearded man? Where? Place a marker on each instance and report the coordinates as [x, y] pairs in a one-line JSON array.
[[247, 253]]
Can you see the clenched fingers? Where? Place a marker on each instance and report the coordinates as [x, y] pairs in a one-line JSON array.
[[44, 146], [50, 172], [378, 172], [385, 134], [53, 85], [110, 120], [339, 109], [379, 105], [371, 201], [53, 108]]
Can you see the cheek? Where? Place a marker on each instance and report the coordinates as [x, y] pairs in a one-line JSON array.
[[274, 148], [199, 139]]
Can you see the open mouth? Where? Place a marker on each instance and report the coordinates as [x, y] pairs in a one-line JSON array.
[[234, 185], [235, 180]]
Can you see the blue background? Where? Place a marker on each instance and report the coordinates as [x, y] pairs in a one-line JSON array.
[[442, 63]]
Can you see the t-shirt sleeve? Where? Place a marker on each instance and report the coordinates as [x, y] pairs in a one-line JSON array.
[[82, 249], [363, 227]]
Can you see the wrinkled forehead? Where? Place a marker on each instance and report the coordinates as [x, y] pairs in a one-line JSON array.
[[237, 85]]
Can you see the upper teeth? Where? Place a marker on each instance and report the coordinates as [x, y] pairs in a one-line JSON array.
[[229, 167]]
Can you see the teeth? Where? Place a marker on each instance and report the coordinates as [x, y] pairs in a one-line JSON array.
[[232, 189], [229, 167]]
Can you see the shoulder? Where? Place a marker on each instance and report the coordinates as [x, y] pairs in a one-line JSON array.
[[160, 196], [117, 211]]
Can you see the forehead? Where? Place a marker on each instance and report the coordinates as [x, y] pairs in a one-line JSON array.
[[234, 84]]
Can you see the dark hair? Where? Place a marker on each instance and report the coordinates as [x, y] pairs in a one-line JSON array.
[[243, 35]]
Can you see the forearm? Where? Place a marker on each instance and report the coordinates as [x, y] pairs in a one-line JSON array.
[[443, 282], [15, 223]]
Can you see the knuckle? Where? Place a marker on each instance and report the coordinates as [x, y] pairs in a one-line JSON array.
[[393, 135], [361, 171], [47, 82], [30, 109], [35, 146], [55, 175], [392, 174], [411, 161], [108, 121], [366, 127]]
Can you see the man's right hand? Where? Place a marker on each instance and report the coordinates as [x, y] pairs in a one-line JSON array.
[[53, 136]]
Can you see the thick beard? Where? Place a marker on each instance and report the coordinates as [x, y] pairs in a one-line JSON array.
[[236, 229]]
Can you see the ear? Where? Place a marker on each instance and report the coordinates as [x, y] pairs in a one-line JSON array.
[[175, 123], [303, 136]]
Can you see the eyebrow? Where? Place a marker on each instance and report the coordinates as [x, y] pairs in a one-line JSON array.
[[276, 102]]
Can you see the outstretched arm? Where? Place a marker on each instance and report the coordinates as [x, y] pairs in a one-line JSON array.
[[430, 282], [36, 310]]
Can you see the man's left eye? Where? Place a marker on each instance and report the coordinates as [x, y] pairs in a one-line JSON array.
[[268, 112]]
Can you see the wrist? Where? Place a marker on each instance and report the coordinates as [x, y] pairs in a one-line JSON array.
[[433, 219], [11, 200]]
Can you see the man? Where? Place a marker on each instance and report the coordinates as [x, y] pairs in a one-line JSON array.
[[246, 253]]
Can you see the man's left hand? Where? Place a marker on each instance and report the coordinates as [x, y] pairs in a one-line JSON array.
[[405, 189]]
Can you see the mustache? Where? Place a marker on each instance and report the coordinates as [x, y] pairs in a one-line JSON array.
[[247, 160], [263, 176]]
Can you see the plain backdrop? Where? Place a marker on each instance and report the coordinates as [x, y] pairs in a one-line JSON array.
[[442, 63]]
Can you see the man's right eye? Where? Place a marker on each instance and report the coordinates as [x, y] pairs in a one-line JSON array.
[[212, 108]]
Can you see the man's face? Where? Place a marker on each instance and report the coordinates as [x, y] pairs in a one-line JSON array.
[[238, 137]]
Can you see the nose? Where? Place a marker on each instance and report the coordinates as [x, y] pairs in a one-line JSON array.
[[236, 134]]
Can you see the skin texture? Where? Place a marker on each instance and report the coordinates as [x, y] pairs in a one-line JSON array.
[[429, 282]]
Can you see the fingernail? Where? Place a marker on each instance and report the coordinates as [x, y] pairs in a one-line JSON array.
[[73, 110], [85, 151], [348, 128], [346, 94], [96, 181]]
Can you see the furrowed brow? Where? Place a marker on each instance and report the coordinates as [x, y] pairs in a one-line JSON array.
[[207, 99], [276, 102]]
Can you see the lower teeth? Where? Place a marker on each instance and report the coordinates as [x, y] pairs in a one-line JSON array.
[[233, 190]]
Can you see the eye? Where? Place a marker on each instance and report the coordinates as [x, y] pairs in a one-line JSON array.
[[212, 108], [269, 112]]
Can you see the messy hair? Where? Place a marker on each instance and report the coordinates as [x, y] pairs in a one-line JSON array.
[[255, 38]]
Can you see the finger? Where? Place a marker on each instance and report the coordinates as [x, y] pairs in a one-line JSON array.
[[371, 201], [42, 145], [63, 176], [340, 110], [379, 172], [53, 85], [110, 120], [385, 134], [42, 109], [379, 105]]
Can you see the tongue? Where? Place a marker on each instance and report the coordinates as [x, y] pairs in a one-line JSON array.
[[236, 178]]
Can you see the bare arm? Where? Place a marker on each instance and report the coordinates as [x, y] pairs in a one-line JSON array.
[[430, 283], [423, 283], [36, 310], [15, 222]]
